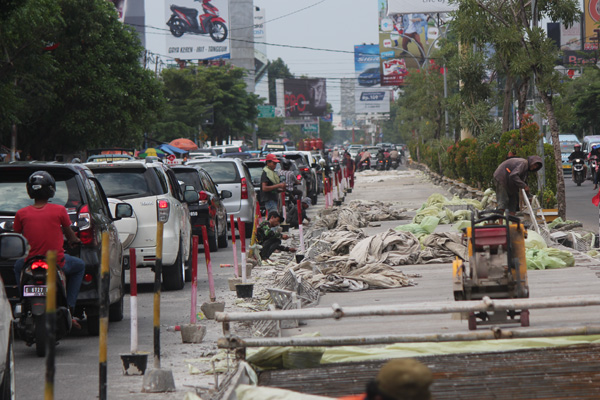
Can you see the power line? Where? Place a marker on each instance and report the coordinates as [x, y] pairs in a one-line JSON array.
[[282, 16]]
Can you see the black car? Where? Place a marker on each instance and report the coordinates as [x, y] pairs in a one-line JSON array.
[[209, 211], [79, 191], [369, 77]]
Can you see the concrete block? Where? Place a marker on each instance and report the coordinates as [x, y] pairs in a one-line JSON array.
[[209, 309], [233, 282], [192, 333], [158, 381]]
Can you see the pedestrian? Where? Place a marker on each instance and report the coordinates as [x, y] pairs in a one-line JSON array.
[[511, 177], [269, 237], [270, 184], [398, 379], [350, 168], [292, 213]]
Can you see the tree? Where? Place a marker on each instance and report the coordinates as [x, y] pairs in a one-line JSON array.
[[192, 91], [277, 70], [95, 92]]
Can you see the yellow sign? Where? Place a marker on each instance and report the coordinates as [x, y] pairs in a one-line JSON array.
[[592, 18]]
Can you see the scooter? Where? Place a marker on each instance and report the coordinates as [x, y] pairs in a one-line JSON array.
[[364, 165], [30, 313], [186, 20], [382, 164], [578, 172], [394, 163]]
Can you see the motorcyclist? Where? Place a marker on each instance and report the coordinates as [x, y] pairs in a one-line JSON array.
[[43, 225], [290, 179], [394, 155], [365, 156], [595, 153], [578, 153]]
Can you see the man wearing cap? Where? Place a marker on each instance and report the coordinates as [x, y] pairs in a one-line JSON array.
[[269, 236], [511, 177], [292, 214], [399, 379], [270, 184]]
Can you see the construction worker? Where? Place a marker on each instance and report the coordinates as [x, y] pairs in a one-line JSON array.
[[511, 177], [398, 379], [292, 214], [269, 237]]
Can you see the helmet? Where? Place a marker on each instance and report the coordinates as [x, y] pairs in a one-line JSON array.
[[286, 164], [577, 146], [41, 185]]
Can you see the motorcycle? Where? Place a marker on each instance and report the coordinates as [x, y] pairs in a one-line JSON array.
[[382, 164], [30, 313], [394, 163], [184, 20], [578, 172], [364, 165], [593, 167]]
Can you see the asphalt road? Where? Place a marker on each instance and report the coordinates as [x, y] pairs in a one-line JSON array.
[[579, 203]]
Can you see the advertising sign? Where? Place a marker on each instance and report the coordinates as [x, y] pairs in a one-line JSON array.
[[420, 6], [372, 100], [591, 9], [570, 38], [366, 65], [197, 30], [305, 97]]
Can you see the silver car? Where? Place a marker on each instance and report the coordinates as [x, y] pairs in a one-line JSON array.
[[233, 175]]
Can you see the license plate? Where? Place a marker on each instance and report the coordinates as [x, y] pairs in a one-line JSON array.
[[34, 291], [193, 213]]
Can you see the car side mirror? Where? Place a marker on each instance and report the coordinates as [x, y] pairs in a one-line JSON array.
[[123, 210], [191, 196], [12, 245], [225, 194]]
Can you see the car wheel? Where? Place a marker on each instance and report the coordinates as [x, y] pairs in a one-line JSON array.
[[7, 389], [213, 244], [173, 276], [223, 243], [115, 310]]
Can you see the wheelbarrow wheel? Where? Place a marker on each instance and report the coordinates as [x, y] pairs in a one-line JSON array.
[[472, 321], [525, 318]]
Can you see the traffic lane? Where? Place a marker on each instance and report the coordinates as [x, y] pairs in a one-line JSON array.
[[579, 203], [77, 355]]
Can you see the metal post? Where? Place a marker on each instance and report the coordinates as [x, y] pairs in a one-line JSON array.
[[445, 97], [194, 278], [50, 325], [211, 282], [104, 286]]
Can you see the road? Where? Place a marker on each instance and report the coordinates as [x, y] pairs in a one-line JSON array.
[[77, 355]]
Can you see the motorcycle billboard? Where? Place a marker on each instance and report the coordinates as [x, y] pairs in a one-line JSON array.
[[366, 65], [198, 30], [305, 97], [372, 100]]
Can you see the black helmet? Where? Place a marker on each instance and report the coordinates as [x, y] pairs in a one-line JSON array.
[[41, 185], [286, 164]]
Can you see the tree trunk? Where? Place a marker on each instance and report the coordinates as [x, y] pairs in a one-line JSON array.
[[522, 90], [507, 101], [560, 179]]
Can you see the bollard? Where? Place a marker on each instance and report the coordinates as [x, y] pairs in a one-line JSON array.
[[158, 380], [257, 220], [324, 187], [50, 325], [194, 278], [283, 208], [211, 282], [241, 228], [134, 363], [104, 287], [300, 226], [235, 259]]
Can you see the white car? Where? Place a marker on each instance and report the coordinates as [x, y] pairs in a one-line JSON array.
[[149, 185]]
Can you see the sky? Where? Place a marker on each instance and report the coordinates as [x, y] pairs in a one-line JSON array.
[[328, 24]]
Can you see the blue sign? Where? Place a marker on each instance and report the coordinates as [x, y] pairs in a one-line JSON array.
[[372, 96], [366, 64]]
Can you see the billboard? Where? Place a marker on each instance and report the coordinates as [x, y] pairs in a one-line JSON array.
[[420, 6], [366, 65], [591, 9], [197, 31], [305, 97], [570, 38], [372, 100]]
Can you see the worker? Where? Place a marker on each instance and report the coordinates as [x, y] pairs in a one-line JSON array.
[[270, 184], [292, 214], [269, 237], [511, 177], [398, 379]]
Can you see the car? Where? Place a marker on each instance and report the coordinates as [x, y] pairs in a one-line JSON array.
[[109, 157], [203, 153], [149, 185], [209, 210], [229, 148], [369, 77], [273, 147], [354, 149], [87, 206], [12, 247], [567, 143], [242, 156], [231, 174]]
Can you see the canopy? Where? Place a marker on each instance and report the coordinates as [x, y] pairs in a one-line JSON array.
[[151, 151], [185, 144], [167, 148]]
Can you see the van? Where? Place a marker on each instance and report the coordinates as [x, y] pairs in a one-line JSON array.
[[567, 146], [588, 142]]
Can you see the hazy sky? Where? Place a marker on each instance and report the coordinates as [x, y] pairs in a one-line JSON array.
[[329, 24]]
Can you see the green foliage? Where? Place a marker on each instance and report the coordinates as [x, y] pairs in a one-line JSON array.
[[277, 69]]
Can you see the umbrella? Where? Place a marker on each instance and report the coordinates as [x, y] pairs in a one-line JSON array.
[[151, 151], [184, 144], [167, 148]]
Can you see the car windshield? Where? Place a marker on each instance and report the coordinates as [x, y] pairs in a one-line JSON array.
[[255, 172], [221, 172], [189, 178], [124, 183], [567, 147], [13, 190]]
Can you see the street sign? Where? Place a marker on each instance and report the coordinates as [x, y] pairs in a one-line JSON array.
[[310, 128], [266, 111]]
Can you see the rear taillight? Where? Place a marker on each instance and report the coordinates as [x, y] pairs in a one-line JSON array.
[[87, 278], [299, 177], [84, 222], [202, 197], [163, 208], [39, 264], [244, 189], [304, 169]]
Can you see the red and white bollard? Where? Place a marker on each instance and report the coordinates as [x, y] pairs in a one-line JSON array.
[[284, 209], [242, 230], [211, 281], [133, 300], [194, 278], [300, 226], [235, 258]]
